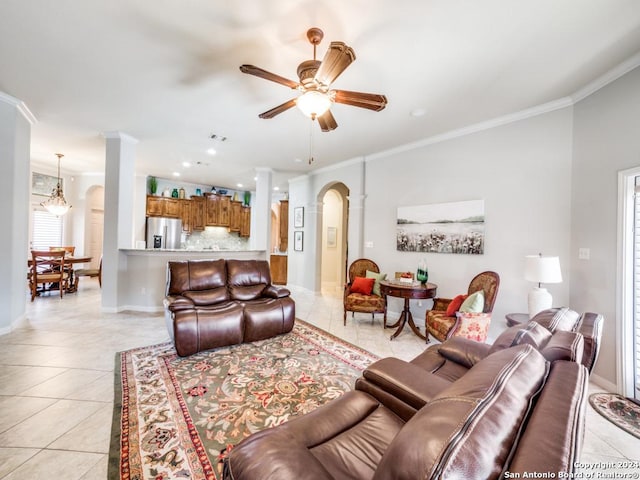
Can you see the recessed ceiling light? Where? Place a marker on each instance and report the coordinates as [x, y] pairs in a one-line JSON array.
[[239, 185], [176, 174], [418, 112], [211, 151], [186, 164]]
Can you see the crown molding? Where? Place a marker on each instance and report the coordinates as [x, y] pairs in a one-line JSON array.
[[20, 106], [477, 127], [609, 77]]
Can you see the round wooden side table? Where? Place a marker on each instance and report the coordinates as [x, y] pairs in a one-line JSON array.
[[408, 291], [516, 318]]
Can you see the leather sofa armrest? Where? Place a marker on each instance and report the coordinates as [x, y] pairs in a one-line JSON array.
[[276, 292], [464, 351], [405, 381], [273, 457], [177, 302]]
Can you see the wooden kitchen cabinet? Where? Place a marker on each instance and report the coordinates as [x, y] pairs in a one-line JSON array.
[[278, 264], [185, 215], [211, 209], [245, 222], [197, 213], [163, 207], [283, 243], [224, 210], [235, 218]]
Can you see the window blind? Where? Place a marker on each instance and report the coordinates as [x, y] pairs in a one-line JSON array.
[[46, 231]]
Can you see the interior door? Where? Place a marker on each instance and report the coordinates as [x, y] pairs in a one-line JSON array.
[[95, 243]]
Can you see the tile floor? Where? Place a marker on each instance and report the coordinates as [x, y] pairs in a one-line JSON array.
[[56, 381]]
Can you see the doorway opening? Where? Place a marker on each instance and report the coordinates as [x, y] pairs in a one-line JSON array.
[[94, 224], [628, 298], [332, 237]]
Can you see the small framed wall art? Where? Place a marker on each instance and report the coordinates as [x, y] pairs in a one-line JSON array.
[[297, 240], [298, 217]]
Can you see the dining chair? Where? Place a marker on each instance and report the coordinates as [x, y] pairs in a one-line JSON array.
[[90, 272], [70, 250], [47, 267]]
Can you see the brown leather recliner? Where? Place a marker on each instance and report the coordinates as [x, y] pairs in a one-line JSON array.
[[512, 411], [214, 303]]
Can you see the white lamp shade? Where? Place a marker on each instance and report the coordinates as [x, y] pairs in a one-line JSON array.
[[542, 269], [313, 103]]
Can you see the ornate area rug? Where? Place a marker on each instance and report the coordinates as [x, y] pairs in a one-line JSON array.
[[619, 410], [176, 418]]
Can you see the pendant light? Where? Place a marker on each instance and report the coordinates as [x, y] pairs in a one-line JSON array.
[[56, 203]]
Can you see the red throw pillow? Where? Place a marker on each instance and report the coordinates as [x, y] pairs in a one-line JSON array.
[[362, 285], [454, 305]]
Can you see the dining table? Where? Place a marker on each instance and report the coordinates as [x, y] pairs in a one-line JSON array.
[[71, 261]]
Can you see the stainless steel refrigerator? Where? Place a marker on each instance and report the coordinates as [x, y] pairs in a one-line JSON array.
[[163, 232]]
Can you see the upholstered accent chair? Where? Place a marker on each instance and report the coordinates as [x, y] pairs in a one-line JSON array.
[[359, 302], [443, 324]]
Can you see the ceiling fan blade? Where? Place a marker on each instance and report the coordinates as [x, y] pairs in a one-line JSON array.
[[335, 61], [259, 72], [279, 109], [327, 122], [371, 101]]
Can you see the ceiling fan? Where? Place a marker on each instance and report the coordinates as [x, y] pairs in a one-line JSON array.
[[315, 81]]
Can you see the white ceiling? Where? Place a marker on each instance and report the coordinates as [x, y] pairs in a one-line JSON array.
[[166, 73]]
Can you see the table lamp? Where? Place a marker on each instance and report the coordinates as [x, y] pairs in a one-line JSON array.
[[541, 269]]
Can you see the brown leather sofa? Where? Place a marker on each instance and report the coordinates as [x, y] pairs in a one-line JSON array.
[[461, 409], [513, 411], [213, 303]]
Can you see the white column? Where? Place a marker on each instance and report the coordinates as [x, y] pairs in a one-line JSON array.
[[15, 185], [261, 210], [119, 202]]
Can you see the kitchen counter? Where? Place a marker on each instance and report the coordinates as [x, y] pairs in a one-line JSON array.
[[143, 273]]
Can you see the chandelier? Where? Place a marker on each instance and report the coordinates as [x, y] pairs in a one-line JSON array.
[[56, 203]]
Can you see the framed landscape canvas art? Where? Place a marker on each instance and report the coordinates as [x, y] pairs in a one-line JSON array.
[[456, 227]]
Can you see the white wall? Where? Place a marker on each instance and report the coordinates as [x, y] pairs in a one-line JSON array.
[[307, 191], [606, 140], [521, 170]]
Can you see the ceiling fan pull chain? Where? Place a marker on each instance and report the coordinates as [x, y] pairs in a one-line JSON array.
[[311, 142]]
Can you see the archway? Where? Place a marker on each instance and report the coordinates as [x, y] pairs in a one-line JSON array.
[[332, 237]]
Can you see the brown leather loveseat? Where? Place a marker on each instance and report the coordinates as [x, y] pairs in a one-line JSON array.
[[214, 303], [460, 409]]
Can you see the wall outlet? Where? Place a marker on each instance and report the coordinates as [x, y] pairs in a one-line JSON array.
[[584, 253], [368, 244]]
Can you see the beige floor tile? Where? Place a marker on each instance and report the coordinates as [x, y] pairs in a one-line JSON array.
[[14, 410], [91, 435], [55, 464], [99, 471], [12, 458], [15, 379], [39, 430], [64, 384], [100, 390]]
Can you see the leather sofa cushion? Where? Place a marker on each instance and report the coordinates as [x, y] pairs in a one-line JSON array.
[[464, 351], [549, 439], [532, 334], [564, 346], [344, 439], [191, 275], [207, 297], [467, 431], [553, 319], [247, 279], [266, 318]]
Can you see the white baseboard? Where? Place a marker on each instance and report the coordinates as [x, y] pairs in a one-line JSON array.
[[133, 308], [603, 383]]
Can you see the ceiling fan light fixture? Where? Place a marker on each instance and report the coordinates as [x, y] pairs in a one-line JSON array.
[[313, 103]]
